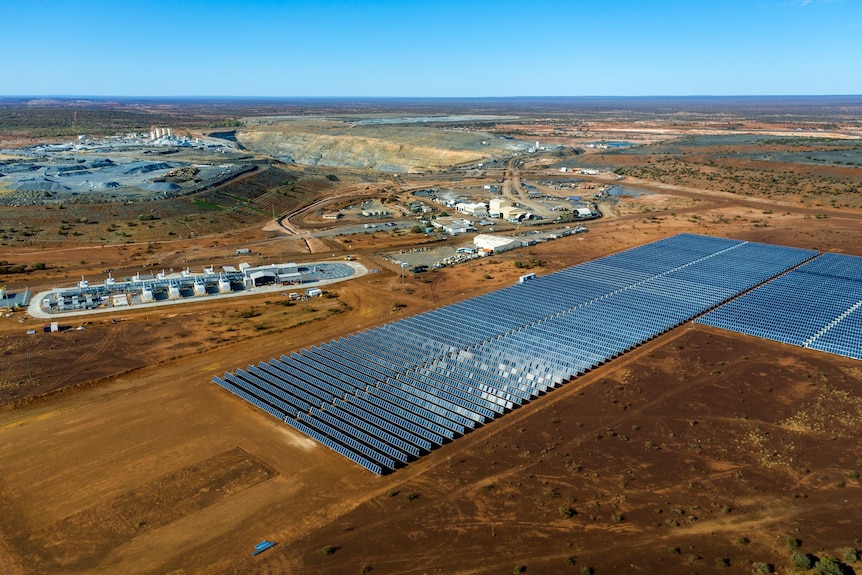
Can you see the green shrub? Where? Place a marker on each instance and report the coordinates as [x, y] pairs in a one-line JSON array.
[[793, 542], [801, 560], [722, 562], [828, 566], [567, 512], [760, 567]]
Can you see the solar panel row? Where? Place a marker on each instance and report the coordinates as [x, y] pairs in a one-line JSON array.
[[815, 305], [389, 394]]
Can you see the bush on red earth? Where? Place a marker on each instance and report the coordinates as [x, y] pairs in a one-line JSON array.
[[801, 560]]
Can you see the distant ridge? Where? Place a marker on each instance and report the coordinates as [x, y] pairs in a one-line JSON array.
[[812, 106]]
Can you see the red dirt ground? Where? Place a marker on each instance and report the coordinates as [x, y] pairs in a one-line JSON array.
[[698, 447]]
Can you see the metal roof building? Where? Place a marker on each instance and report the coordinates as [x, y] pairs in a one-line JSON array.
[[495, 244]]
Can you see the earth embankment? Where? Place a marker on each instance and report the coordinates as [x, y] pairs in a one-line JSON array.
[[383, 148]]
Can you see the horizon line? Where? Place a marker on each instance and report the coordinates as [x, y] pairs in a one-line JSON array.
[[310, 97]]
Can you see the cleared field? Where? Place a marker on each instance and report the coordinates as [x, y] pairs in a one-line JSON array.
[[92, 533], [152, 470]]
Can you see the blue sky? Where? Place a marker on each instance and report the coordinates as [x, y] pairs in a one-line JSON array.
[[430, 48]]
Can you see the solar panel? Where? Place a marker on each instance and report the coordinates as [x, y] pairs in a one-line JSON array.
[[410, 417], [401, 435], [349, 453], [239, 392], [295, 386], [815, 305], [385, 394]]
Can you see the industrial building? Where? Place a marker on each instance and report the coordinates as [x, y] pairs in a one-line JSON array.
[[453, 226], [495, 244], [9, 300], [268, 275], [496, 205], [478, 210], [156, 133], [512, 213], [183, 286]]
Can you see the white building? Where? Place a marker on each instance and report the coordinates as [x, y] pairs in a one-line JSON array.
[[496, 205], [478, 209], [453, 226], [512, 213], [495, 244], [270, 274]]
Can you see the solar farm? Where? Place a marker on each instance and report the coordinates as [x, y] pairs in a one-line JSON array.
[[815, 305], [389, 395]]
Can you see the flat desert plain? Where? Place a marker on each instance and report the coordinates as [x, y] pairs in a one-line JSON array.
[[699, 446]]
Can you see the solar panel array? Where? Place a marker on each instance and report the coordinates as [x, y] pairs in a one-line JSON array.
[[385, 396], [816, 305]]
